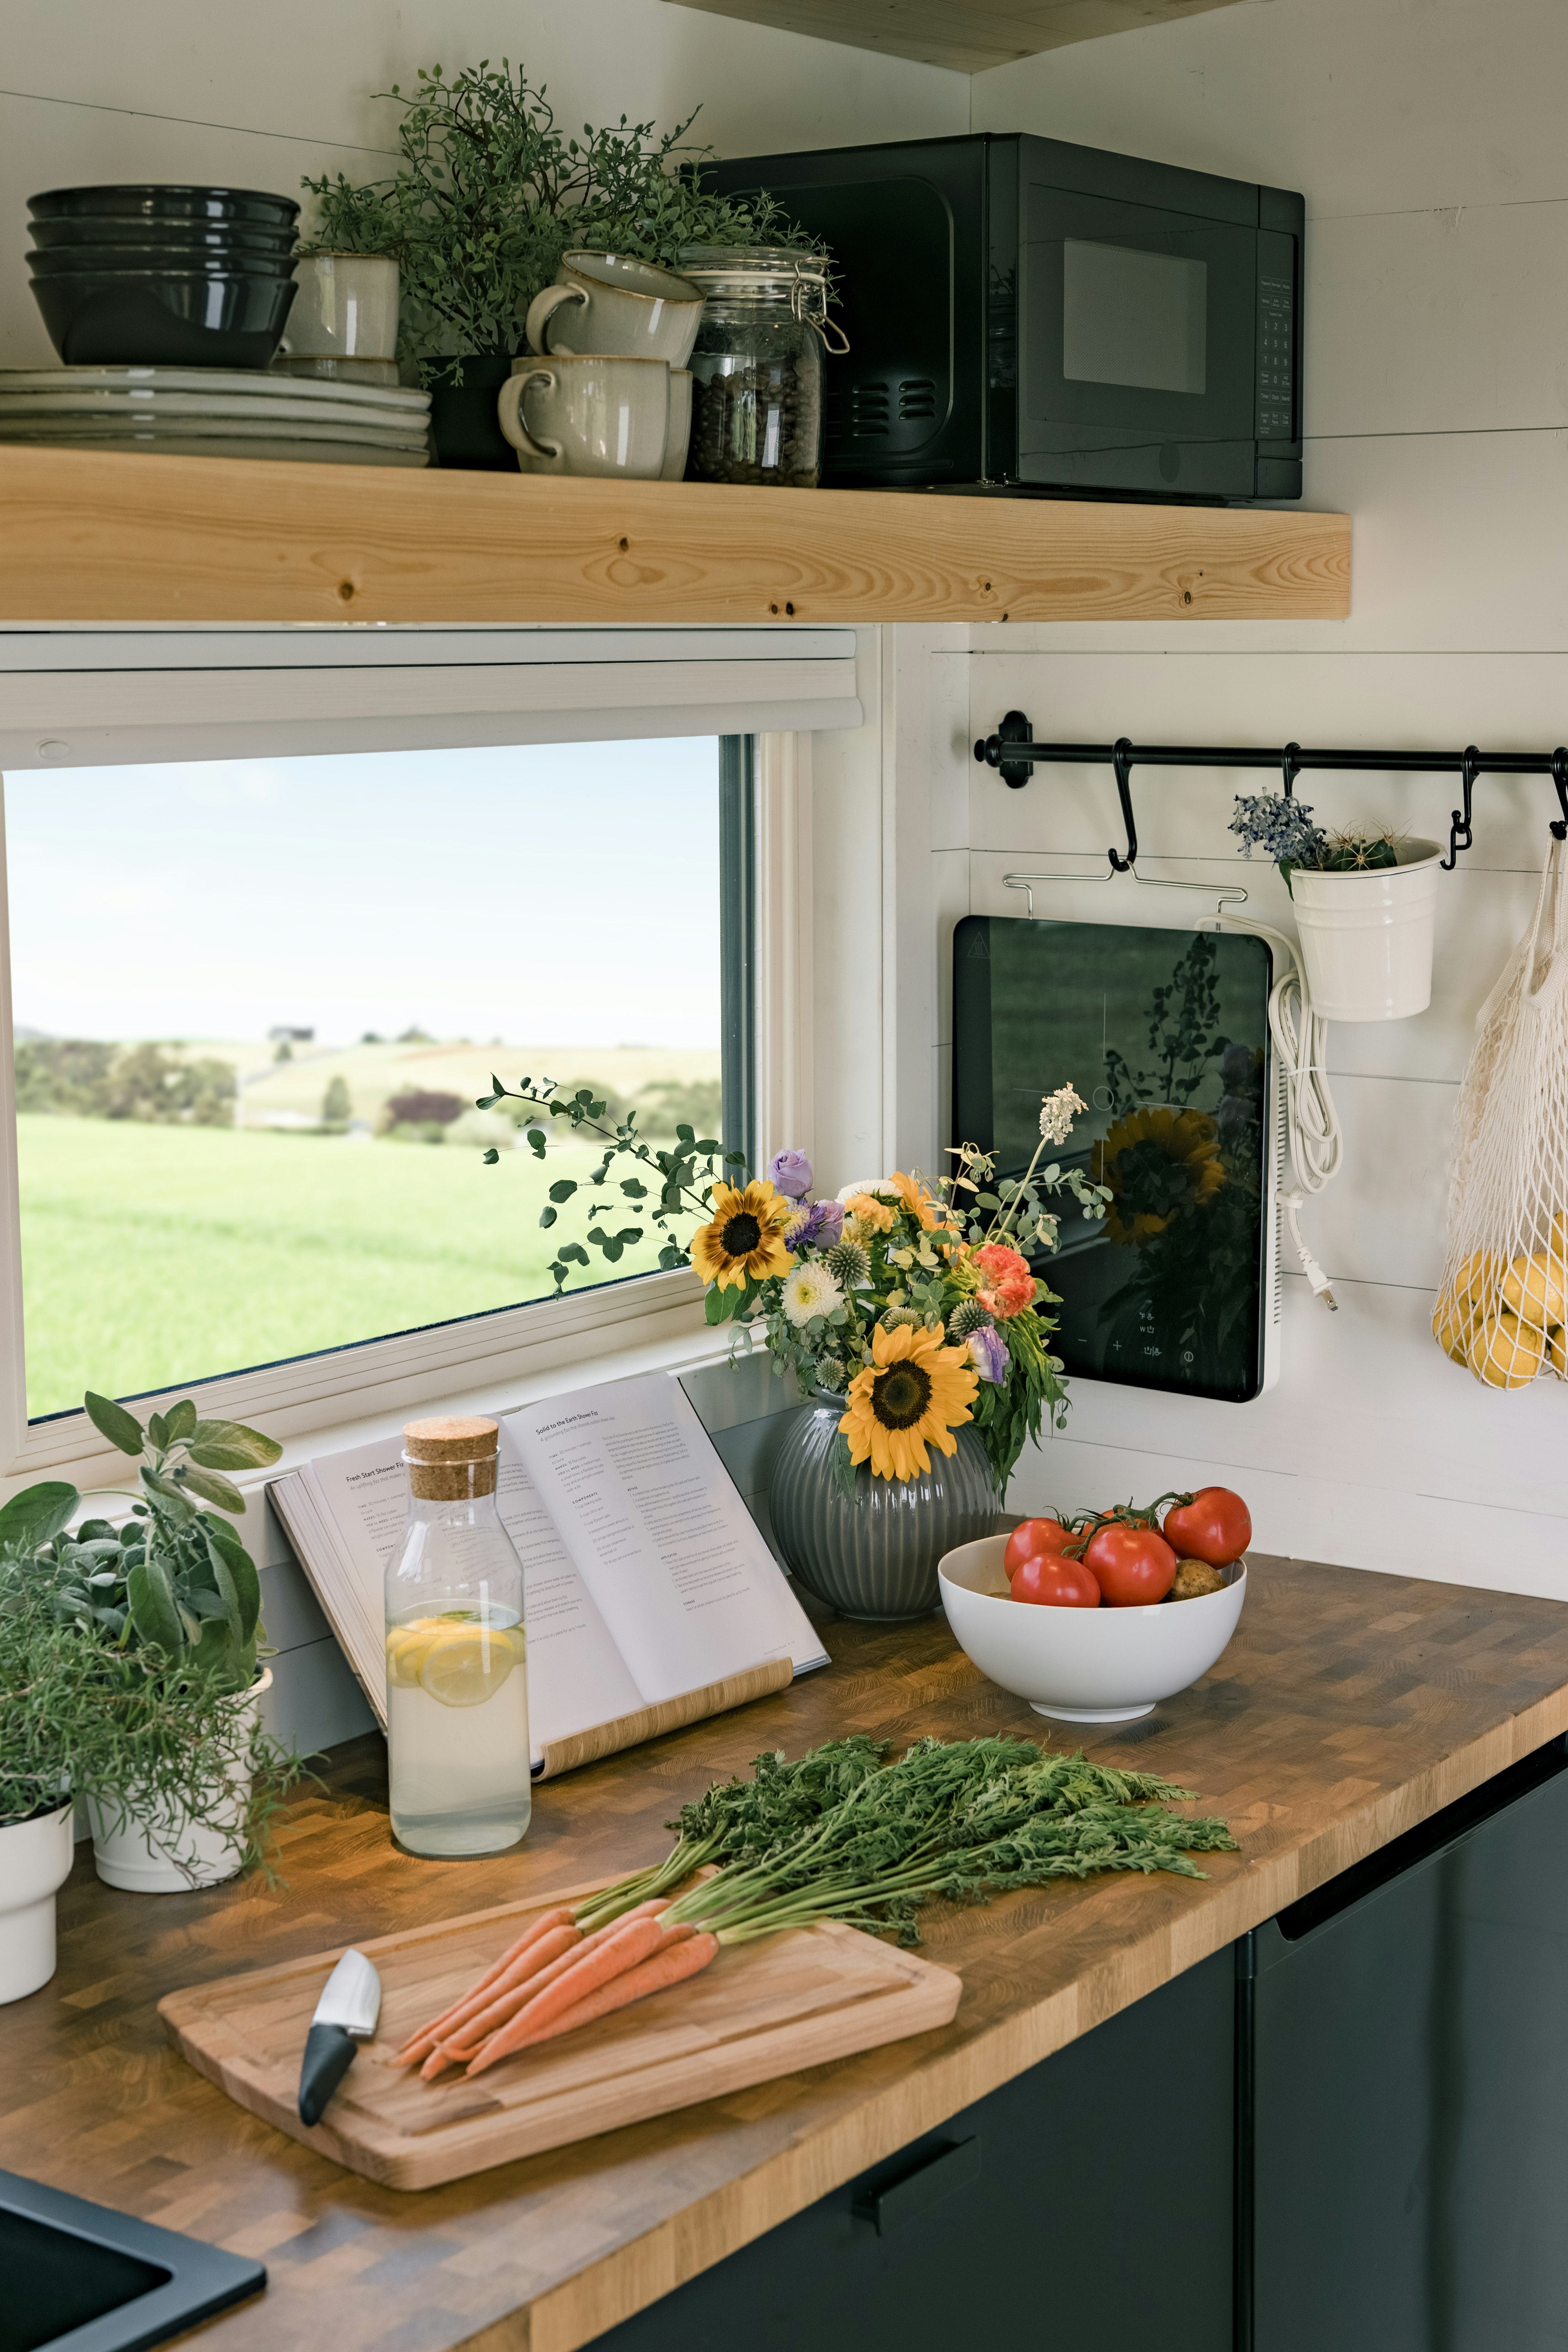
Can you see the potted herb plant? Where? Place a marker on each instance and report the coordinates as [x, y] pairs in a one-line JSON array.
[[37, 1839], [1365, 905], [488, 195], [170, 1603], [908, 1315]]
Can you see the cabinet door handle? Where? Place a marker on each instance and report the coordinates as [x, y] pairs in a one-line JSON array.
[[935, 2177]]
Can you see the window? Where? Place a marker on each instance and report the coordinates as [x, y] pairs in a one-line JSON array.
[[254, 1001]]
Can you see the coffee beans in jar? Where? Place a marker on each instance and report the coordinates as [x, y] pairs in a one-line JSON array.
[[756, 370]]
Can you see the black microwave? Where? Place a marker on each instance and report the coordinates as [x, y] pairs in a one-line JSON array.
[[1024, 315]]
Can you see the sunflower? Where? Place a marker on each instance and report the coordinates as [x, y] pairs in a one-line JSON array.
[[917, 1200], [1159, 1163], [914, 1392], [745, 1242]]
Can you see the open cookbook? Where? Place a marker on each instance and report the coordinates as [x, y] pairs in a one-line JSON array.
[[650, 1597]]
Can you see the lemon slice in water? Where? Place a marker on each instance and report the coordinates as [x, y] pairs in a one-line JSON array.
[[466, 1665], [406, 1647]]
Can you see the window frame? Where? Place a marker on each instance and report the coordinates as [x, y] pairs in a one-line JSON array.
[[765, 951]]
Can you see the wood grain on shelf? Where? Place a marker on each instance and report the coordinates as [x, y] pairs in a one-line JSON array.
[[966, 35], [758, 2011], [100, 536], [1349, 1707], [667, 1715]]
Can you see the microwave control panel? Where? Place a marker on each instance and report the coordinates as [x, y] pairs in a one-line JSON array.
[[1276, 337]]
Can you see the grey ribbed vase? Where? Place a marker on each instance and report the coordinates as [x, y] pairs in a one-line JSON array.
[[875, 1556]]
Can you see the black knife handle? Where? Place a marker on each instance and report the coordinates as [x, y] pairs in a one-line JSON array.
[[329, 2055]]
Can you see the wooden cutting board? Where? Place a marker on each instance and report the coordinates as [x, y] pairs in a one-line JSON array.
[[761, 2010]]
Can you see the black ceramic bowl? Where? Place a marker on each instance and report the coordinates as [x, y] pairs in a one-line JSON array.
[[161, 319], [139, 260], [158, 200], [141, 229]]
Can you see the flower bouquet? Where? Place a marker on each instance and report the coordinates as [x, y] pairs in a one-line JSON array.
[[912, 1305]]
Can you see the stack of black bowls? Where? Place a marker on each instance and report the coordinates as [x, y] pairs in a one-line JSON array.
[[163, 277]]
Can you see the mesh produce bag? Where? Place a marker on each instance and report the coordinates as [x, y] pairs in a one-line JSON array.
[[1503, 1307]]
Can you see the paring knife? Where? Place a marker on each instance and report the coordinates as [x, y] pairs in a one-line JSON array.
[[345, 2014]]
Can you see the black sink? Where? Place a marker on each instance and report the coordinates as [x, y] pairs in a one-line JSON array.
[[80, 2278]]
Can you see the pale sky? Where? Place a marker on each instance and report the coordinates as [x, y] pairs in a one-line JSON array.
[[553, 893]]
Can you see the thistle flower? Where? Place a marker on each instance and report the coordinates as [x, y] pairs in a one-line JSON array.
[[848, 1265], [902, 1319], [810, 1291], [968, 1316], [829, 1373]]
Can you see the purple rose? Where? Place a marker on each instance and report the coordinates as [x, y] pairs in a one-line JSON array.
[[791, 1174], [817, 1225], [988, 1353]]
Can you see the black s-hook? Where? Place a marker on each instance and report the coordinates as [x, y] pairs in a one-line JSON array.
[[1291, 767], [1560, 778], [1121, 760], [1459, 831]]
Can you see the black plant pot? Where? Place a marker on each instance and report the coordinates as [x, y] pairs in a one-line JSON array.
[[463, 424]]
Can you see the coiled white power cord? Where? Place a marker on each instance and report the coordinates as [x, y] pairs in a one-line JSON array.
[[1301, 1047]]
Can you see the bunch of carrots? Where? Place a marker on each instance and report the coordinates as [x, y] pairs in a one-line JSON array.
[[839, 1835]]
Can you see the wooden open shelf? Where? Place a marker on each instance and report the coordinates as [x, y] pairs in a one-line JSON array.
[[967, 34], [95, 536]]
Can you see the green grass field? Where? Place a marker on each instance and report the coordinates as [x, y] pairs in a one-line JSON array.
[[153, 1255]]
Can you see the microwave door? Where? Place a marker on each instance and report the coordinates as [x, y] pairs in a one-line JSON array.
[[1137, 351]]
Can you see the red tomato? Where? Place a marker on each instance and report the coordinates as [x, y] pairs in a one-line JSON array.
[[1031, 1537], [1216, 1525], [1130, 1565], [1054, 1582]]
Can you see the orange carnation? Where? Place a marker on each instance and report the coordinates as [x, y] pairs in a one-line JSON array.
[[1009, 1286]]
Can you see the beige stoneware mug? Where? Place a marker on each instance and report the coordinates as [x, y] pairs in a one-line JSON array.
[[609, 303], [588, 414]]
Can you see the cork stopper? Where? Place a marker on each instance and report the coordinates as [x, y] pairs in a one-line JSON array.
[[450, 1457]]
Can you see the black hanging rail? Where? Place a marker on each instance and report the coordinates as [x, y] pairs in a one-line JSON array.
[[1013, 753]]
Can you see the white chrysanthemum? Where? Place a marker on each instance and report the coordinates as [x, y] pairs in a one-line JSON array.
[[866, 1185], [810, 1291]]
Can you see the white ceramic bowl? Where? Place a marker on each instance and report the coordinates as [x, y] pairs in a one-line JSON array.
[[1083, 1665]]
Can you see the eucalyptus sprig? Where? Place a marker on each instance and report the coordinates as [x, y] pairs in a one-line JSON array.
[[673, 1185]]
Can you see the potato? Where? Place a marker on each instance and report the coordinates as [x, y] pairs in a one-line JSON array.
[[1504, 1352], [1194, 1577], [1453, 1322], [1537, 1289]]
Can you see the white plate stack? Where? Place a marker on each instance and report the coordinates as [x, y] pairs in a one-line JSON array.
[[215, 412]]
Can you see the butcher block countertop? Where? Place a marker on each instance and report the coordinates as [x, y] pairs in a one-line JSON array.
[[1348, 1708]]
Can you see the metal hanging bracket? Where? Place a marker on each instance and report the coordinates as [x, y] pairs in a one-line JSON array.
[[1014, 754]]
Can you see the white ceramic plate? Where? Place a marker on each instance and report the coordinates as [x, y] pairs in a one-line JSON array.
[[248, 382], [65, 408], [199, 428], [296, 452], [1083, 1665]]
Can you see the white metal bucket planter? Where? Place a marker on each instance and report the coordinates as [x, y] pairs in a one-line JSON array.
[[171, 1857], [35, 1863], [1366, 937]]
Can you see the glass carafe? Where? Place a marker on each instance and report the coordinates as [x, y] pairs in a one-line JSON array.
[[457, 1684]]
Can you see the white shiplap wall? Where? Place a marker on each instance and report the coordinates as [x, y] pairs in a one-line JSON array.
[[1424, 135]]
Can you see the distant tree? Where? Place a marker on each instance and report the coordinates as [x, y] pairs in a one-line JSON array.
[[337, 1105], [370, 1038], [90, 1079], [670, 1102], [63, 1075], [284, 1051], [421, 1111], [414, 1035]]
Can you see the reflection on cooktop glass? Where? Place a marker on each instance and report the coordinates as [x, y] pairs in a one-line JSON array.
[[1165, 1035]]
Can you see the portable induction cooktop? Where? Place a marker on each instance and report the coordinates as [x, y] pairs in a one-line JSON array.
[[1164, 1033]]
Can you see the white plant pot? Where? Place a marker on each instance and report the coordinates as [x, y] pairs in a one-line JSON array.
[[168, 1856], [346, 308], [1366, 937], [35, 1862]]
